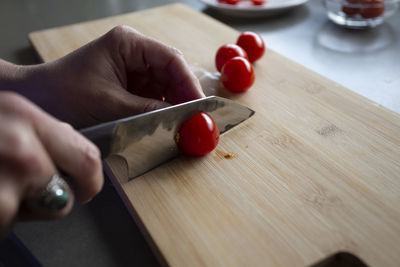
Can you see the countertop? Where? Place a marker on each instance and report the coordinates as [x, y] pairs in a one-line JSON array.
[[102, 233]]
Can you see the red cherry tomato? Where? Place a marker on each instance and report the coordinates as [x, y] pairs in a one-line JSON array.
[[237, 75], [229, 2], [253, 44], [227, 52], [258, 2], [351, 7], [372, 8], [198, 136]]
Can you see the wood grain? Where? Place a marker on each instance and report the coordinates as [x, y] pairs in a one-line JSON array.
[[315, 171]]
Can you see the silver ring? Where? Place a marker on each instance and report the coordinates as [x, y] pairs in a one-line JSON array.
[[55, 197]]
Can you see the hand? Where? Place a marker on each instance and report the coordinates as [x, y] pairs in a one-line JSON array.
[[32, 143], [118, 75]]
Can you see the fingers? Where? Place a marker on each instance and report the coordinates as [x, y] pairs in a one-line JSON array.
[[32, 144], [25, 170], [167, 64], [75, 155], [119, 103], [133, 104], [23, 157]]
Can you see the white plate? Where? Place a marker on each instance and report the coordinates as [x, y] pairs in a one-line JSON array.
[[247, 9]]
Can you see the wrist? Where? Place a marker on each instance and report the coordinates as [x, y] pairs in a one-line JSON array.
[[28, 81], [9, 75]]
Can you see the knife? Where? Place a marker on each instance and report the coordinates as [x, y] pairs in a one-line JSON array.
[[147, 140]]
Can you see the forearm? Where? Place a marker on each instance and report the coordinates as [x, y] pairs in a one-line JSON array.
[[47, 85]]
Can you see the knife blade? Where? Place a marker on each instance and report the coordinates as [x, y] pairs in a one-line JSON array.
[[148, 140]]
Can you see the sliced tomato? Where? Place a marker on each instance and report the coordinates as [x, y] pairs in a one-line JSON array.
[[351, 7], [258, 2], [372, 8], [229, 2]]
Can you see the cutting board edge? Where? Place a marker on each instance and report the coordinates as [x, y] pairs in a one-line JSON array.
[[32, 33], [32, 36], [139, 223]]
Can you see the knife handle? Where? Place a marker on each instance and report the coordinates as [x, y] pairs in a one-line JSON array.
[[101, 135]]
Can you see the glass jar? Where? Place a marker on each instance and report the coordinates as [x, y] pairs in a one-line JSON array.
[[360, 13]]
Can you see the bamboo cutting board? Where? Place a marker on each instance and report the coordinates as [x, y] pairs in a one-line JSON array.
[[315, 171]]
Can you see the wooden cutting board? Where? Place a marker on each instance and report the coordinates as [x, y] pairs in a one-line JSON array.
[[315, 171]]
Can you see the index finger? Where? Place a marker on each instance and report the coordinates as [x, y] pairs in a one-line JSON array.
[[68, 149], [140, 52]]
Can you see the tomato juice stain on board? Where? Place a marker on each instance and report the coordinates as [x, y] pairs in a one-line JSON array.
[[228, 155]]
